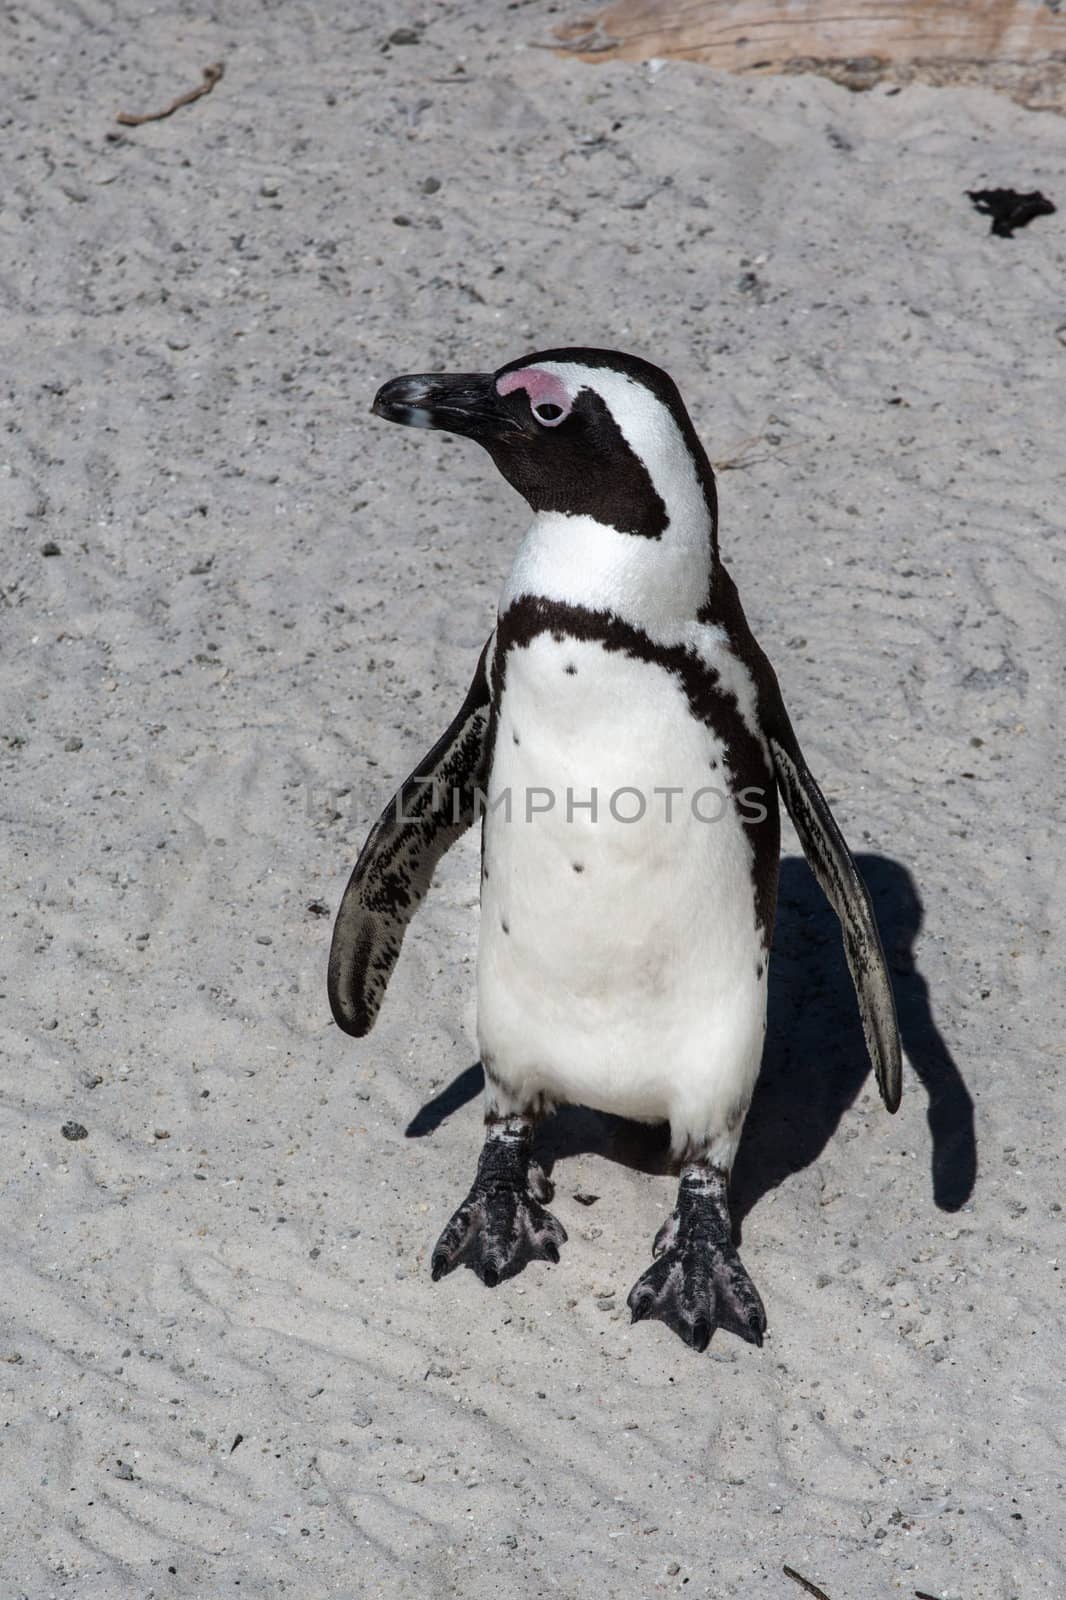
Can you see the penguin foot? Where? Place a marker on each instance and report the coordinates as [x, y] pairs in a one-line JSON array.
[[496, 1232], [502, 1225], [696, 1286], [698, 1282]]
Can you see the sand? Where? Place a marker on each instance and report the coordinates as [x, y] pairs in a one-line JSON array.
[[225, 1368]]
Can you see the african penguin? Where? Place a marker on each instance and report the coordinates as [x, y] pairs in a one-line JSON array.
[[622, 744]]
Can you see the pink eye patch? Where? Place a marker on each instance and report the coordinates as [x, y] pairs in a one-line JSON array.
[[548, 395]]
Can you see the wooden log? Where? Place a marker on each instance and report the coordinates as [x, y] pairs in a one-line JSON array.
[[1019, 45]]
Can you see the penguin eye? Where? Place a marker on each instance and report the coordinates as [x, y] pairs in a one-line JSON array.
[[550, 402]]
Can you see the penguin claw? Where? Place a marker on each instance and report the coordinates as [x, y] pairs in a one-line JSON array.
[[540, 1185], [640, 1308], [695, 1286], [666, 1235], [496, 1232]]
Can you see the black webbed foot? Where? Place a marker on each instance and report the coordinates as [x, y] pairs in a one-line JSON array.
[[698, 1282], [501, 1225], [694, 1288], [497, 1232]]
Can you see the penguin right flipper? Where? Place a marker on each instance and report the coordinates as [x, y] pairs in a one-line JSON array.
[[433, 807], [834, 867]]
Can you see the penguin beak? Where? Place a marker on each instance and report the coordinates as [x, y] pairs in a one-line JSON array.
[[457, 402]]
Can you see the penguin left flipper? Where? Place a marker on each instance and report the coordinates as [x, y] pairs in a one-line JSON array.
[[827, 854], [834, 867], [433, 808]]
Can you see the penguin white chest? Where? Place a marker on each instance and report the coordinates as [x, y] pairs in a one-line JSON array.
[[620, 964]]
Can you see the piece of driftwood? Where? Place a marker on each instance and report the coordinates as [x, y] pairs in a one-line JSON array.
[[212, 75], [1015, 45]]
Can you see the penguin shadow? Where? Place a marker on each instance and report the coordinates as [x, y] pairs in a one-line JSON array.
[[814, 1064], [815, 1061], [459, 1093], [570, 1131]]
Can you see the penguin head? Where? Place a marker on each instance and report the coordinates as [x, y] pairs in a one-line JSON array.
[[582, 432]]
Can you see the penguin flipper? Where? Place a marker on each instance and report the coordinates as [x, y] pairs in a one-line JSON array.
[[432, 808], [834, 867]]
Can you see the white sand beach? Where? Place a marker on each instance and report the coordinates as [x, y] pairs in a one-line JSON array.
[[224, 1369]]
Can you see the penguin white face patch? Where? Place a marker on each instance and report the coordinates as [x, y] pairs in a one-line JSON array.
[[549, 398]]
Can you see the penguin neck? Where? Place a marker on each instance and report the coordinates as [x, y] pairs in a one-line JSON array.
[[655, 584]]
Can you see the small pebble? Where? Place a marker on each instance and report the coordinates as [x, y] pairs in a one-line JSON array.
[[74, 1130], [362, 1419], [405, 36], [73, 743], [50, 548], [263, 938], [429, 185], [161, 1133]]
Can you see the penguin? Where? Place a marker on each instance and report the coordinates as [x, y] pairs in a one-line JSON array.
[[622, 746]]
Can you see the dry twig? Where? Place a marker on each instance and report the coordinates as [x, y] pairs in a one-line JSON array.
[[212, 75], [737, 459], [742, 456], [805, 1583]]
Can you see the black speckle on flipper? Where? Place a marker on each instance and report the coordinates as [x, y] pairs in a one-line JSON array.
[[501, 1225], [697, 1282], [433, 808]]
